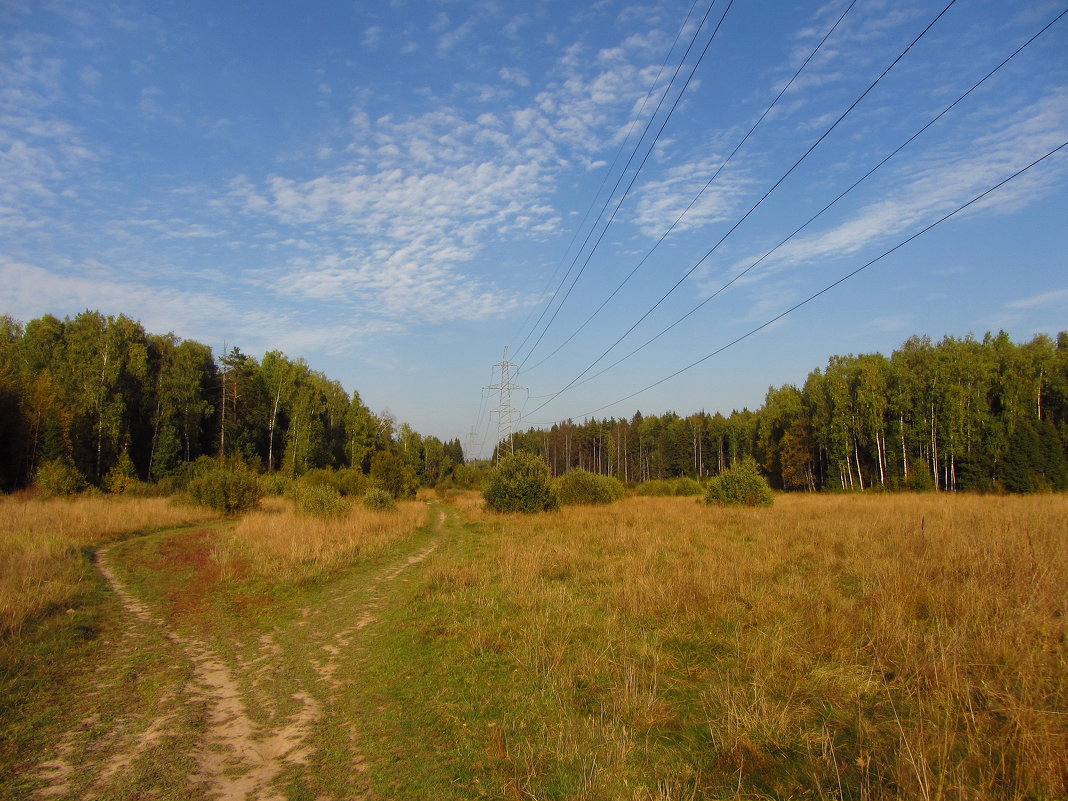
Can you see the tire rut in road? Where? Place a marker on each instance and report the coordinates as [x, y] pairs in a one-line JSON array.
[[237, 758]]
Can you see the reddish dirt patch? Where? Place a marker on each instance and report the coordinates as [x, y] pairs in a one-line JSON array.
[[185, 560]]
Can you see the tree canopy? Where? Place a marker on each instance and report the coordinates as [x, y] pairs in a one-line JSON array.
[[962, 414], [97, 395], [97, 392]]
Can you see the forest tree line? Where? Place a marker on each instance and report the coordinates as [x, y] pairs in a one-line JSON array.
[[92, 390], [962, 414]]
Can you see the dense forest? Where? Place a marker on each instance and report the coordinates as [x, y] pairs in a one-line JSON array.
[[98, 391], [961, 414]]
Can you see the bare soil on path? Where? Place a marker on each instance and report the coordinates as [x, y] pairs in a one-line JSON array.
[[231, 726]]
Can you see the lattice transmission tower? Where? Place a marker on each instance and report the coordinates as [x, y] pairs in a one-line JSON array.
[[507, 414]]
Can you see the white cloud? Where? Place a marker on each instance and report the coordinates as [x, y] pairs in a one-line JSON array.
[[662, 201], [31, 291], [450, 39], [947, 178], [1054, 297], [518, 77], [372, 37], [512, 27], [441, 22], [420, 197], [90, 76]]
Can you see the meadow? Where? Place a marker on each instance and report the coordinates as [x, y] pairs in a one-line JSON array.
[[44, 543], [832, 646]]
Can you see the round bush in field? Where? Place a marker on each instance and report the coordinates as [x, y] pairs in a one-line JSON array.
[[58, 477], [274, 484], [226, 489], [379, 499], [318, 500], [583, 487], [520, 483], [391, 473], [741, 485], [686, 486], [655, 488]]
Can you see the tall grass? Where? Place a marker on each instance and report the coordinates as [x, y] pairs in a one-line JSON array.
[[836, 646], [280, 544], [41, 542]]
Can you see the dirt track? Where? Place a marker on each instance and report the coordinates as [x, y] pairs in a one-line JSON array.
[[236, 758]]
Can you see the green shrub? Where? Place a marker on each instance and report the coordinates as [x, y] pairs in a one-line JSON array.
[[741, 485], [657, 488], [391, 473], [318, 475], [144, 489], [469, 476], [58, 477], [170, 485], [122, 476], [520, 483], [688, 487], [230, 489], [666, 487], [274, 484], [583, 487], [379, 499], [920, 478], [318, 499], [351, 481]]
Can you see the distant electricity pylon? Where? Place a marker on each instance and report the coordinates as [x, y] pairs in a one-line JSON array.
[[472, 443], [507, 414]]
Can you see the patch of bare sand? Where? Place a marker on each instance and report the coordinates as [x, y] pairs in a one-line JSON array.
[[237, 759], [57, 772]]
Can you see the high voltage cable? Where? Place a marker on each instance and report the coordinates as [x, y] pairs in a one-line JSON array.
[[478, 417], [832, 285], [611, 169], [753, 208], [630, 159], [703, 189], [634, 178], [811, 219]]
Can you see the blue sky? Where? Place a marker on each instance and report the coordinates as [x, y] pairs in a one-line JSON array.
[[395, 190]]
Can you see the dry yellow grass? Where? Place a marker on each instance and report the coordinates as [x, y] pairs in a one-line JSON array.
[[883, 646], [279, 543], [41, 566]]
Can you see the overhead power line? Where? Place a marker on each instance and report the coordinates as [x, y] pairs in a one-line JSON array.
[[703, 189], [756, 205], [634, 178], [611, 168], [833, 284], [823, 210]]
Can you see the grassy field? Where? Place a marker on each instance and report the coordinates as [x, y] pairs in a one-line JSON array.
[[43, 546], [860, 647], [830, 647]]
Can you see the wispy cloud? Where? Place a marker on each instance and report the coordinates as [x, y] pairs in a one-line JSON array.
[[515, 76], [451, 38], [39, 150], [1053, 298], [418, 199], [372, 36], [32, 291], [944, 179], [662, 201]]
